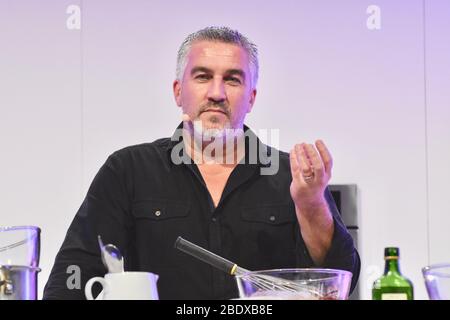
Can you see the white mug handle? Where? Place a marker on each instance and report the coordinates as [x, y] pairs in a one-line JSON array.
[[88, 288]]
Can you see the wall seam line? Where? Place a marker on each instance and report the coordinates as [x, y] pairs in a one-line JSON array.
[[427, 177]]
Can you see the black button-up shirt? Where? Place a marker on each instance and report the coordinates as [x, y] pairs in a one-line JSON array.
[[141, 201]]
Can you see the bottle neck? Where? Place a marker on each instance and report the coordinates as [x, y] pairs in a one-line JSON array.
[[391, 265]]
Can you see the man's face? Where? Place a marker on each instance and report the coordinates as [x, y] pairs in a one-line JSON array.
[[216, 87]]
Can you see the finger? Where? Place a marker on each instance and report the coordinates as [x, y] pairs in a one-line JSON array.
[[316, 161], [326, 156], [295, 167], [303, 161]]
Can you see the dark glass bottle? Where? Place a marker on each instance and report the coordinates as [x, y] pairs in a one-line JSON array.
[[392, 285]]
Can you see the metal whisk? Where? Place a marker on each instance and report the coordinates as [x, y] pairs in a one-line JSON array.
[[261, 281]]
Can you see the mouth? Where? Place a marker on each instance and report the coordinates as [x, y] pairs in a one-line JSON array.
[[215, 111]]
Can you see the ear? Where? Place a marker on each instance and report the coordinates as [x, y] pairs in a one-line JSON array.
[[252, 100], [177, 92]]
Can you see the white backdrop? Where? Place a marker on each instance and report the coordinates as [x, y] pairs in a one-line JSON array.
[[369, 77]]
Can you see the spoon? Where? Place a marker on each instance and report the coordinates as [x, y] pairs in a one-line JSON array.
[[111, 257]]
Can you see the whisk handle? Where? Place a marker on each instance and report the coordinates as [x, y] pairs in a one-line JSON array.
[[206, 256]]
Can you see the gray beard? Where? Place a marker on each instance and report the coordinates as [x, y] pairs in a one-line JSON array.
[[208, 134]]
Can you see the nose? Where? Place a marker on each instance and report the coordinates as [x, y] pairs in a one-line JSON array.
[[216, 91]]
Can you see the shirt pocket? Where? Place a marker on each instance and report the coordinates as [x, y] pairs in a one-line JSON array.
[[158, 223], [159, 210], [274, 215], [268, 236]]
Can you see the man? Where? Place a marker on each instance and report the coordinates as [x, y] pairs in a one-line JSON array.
[[145, 196]]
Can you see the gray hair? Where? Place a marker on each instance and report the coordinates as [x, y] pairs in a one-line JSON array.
[[219, 34]]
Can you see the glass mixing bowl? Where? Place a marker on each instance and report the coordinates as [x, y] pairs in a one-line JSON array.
[[295, 284]]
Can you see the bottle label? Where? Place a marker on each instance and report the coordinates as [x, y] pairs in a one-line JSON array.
[[394, 296]]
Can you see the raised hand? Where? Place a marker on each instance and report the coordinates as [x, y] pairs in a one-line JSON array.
[[311, 172]]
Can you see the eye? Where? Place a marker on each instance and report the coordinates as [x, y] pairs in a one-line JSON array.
[[233, 80], [202, 77]]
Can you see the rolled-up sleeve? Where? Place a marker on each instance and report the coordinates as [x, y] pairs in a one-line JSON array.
[[342, 253]]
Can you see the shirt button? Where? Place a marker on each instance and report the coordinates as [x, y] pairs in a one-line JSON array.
[[214, 219], [157, 213], [272, 218]]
